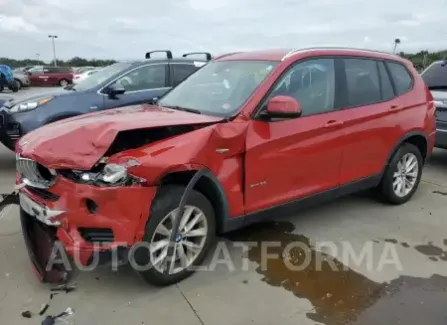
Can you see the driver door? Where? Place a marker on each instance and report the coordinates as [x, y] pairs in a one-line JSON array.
[[141, 84], [288, 159]]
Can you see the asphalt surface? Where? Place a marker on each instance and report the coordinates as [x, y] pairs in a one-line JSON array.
[[402, 280]]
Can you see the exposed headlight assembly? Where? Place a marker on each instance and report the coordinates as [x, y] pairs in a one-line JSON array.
[[28, 106], [109, 175]]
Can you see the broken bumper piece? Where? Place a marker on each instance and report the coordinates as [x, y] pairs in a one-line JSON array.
[[39, 240]]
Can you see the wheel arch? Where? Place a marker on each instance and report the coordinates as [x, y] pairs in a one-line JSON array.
[[209, 185], [416, 138]]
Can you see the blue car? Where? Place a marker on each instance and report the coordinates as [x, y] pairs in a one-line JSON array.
[[118, 85]]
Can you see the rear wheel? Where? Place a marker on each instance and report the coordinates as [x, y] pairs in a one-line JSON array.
[[196, 234], [402, 175], [63, 83]]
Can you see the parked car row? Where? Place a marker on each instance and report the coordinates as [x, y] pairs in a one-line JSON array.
[[212, 146]]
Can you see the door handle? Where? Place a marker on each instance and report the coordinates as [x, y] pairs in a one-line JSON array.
[[333, 123], [395, 108]]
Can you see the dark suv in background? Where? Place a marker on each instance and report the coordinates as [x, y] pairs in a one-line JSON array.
[[435, 77], [50, 76], [120, 84]]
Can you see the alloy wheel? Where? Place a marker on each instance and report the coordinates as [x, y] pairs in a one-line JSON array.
[[405, 177], [187, 245]]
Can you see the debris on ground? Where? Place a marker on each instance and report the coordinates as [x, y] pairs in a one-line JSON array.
[[64, 287], [51, 320], [27, 314], [44, 309]]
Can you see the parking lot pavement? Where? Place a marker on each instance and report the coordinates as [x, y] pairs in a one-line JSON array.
[[25, 92], [401, 278]]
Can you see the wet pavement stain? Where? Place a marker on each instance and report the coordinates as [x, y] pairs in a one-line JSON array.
[[439, 192], [429, 249], [389, 240], [338, 294]]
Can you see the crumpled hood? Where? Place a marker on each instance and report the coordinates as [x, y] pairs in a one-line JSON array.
[[79, 142]]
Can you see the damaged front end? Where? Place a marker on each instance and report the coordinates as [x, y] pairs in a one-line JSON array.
[[39, 240]]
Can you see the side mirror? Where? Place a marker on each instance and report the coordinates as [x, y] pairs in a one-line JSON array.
[[115, 89], [283, 107]]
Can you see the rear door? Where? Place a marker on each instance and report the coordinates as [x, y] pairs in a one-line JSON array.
[[371, 113], [181, 71], [142, 85]]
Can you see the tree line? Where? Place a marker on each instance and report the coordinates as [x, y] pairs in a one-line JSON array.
[[420, 60], [74, 62]]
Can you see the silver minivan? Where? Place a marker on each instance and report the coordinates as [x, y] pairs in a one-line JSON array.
[[435, 76]]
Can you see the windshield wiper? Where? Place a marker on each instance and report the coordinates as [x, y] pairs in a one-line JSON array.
[[185, 109]]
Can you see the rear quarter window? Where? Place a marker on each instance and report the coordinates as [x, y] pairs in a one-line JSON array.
[[402, 79]]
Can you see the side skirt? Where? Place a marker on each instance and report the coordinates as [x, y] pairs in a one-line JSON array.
[[235, 223]]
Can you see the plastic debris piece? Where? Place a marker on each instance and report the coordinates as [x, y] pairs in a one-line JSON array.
[[64, 287], [49, 320], [44, 309]]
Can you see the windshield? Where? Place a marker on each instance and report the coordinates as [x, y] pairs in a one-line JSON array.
[[435, 76], [101, 76], [219, 88]]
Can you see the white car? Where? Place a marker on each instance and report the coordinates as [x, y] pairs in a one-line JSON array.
[[84, 75]]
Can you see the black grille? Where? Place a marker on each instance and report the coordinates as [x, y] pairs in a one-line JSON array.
[[44, 194], [97, 235]]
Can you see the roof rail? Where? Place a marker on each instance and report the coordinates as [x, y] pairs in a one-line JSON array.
[[168, 53], [207, 55], [225, 55], [296, 51]]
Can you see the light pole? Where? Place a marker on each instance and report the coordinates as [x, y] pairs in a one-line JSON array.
[[37, 56], [54, 48], [396, 42]]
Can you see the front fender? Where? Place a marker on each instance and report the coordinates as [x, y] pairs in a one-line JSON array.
[[211, 147]]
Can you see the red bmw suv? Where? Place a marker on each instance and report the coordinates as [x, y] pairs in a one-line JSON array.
[[249, 136]]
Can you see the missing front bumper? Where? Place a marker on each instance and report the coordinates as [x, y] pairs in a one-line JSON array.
[[40, 243]]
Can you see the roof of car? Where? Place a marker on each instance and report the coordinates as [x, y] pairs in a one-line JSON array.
[[283, 54]]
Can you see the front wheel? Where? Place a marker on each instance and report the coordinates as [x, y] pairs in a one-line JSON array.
[[19, 83], [164, 266], [402, 175]]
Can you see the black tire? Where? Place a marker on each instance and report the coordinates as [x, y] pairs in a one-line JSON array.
[[385, 189], [167, 200], [19, 83], [13, 86], [2, 88]]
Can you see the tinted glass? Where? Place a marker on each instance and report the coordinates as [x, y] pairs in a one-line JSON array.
[[311, 83], [182, 71], [102, 76], [362, 79], [146, 77], [385, 82], [435, 75], [401, 77], [219, 88]]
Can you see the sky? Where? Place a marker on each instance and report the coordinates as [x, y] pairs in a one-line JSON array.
[[127, 29]]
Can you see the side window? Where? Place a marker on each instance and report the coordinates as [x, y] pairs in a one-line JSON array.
[[362, 80], [311, 83], [181, 72], [48, 70], [144, 78], [401, 77], [385, 82], [38, 70]]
